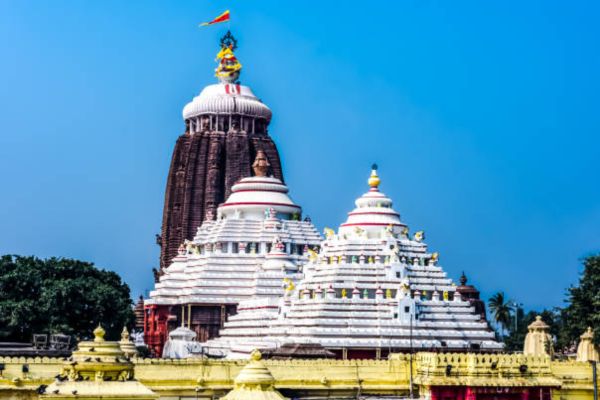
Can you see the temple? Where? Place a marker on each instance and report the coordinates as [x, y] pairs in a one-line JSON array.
[[225, 126], [257, 242], [371, 290], [241, 269]]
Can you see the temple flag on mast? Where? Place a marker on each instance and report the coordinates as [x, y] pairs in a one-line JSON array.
[[221, 18]]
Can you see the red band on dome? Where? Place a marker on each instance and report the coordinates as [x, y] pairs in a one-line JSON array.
[[261, 190], [371, 224], [373, 213], [258, 203]]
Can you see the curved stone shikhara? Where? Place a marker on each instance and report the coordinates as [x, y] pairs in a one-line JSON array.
[[226, 126], [370, 287]]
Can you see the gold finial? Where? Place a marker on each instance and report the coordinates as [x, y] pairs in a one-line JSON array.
[[125, 334], [261, 164], [99, 333], [256, 355], [374, 180]]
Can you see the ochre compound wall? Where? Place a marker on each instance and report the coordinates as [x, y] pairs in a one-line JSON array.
[[299, 378]]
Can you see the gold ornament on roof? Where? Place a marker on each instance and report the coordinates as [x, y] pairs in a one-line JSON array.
[[256, 355], [99, 333], [419, 236], [329, 233], [289, 285], [374, 180]]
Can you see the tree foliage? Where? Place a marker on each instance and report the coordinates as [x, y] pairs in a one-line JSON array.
[[500, 309], [566, 324], [583, 307], [58, 295]]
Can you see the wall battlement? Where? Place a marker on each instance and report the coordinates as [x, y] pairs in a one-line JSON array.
[[22, 376]]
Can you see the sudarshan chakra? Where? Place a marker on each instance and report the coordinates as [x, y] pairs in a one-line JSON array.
[[229, 67]]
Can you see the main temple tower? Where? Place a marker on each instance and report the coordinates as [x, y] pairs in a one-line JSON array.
[[225, 126]]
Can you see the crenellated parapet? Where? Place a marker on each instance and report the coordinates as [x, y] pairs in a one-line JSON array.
[[432, 373], [476, 369]]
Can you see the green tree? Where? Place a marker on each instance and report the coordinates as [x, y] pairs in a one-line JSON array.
[[500, 309], [583, 307], [60, 295]]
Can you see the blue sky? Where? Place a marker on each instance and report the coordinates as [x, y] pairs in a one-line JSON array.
[[483, 117]]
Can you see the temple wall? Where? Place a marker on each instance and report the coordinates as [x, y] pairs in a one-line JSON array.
[[300, 378]]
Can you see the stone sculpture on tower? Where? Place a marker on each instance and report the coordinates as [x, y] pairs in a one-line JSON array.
[[225, 126]]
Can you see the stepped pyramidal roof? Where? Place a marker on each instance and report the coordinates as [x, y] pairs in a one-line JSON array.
[[371, 289], [257, 240]]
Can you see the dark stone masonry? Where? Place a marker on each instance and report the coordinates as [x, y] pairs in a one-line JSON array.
[[204, 167]]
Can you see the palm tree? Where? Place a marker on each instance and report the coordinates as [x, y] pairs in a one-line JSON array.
[[501, 311]]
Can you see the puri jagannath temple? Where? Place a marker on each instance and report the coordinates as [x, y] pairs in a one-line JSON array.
[[251, 272], [251, 301]]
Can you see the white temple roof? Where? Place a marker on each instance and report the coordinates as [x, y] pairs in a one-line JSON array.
[[227, 98], [373, 211], [253, 196], [370, 286], [256, 242]]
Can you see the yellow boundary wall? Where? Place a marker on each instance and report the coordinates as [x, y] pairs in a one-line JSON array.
[[207, 378]]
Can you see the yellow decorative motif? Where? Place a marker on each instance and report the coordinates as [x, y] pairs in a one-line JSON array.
[[329, 233], [419, 236], [229, 67], [289, 285], [312, 255]]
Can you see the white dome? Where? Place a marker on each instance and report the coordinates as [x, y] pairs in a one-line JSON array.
[[251, 197], [373, 213], [277, 259], [227, 98]]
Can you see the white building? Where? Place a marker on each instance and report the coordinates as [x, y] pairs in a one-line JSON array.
[[370, 290]]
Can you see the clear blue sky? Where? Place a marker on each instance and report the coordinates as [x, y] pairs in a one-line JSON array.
[[483, 116]]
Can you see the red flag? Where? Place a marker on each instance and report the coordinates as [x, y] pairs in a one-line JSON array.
[[221, 18]]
